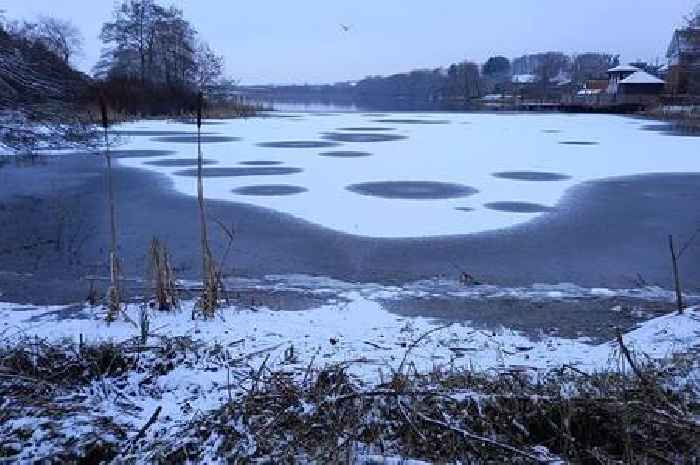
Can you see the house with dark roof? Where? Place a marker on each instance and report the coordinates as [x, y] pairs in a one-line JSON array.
[[640, 83], [631, 85], [617, 74], [683, 74]]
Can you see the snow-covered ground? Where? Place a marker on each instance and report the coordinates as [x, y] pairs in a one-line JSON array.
[[555, 152], [352, 330], [358, 332], [19, 135], [355, 331]]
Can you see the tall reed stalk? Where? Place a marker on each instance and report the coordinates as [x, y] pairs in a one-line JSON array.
[[211, 278], [113, 293]]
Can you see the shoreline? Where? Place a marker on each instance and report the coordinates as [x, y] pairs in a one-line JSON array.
[[606, 233]]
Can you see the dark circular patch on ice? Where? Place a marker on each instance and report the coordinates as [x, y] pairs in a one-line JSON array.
[[261, 163], [413, 121], [367, 129], [279, 115], [271, 190], [531, 176], [137, 133], [193, 139], [671, 129], [518, 207], [138, 153], [662, 127], [237, 172], [464, 209], [298, 144], [578, 142], [412, 190], [346, 154], [179, 162], [362, 137], [204, 122]]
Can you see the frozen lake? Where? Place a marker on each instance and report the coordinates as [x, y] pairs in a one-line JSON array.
[[397, 175]]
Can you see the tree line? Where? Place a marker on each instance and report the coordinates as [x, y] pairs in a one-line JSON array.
[[468, 80], [37, 83], [460, 83], [154, 61], [152, 57]]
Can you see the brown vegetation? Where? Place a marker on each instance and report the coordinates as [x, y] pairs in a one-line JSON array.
[[327, 416]]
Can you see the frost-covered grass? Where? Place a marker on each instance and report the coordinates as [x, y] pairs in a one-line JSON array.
[[240, 383], [353, 329]]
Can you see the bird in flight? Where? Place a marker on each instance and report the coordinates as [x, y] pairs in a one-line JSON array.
[[345, 27]]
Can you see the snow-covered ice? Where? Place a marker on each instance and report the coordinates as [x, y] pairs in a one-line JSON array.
[[561, 150]]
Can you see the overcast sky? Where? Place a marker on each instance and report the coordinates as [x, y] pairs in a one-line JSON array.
[[282, 41]]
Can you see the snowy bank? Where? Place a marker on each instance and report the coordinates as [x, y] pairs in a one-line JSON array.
[[356, 331], [189, 373]]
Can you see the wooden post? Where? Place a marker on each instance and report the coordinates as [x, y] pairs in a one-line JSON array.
[[676, 277]]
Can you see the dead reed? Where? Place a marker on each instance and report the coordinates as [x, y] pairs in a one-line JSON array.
[[162, 277], [452, 416], [212, 281], [113, 300]]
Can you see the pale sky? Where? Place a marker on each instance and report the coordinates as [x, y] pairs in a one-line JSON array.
[[301, 41]]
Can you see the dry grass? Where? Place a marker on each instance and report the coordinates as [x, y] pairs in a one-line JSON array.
[[288, 415], [162, 277], [450, 416]]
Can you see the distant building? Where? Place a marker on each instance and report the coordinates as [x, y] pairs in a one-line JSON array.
[[617, 74], [684, 61], [593, 87], [628, 87], [640, 84], [524, 79], [596, 84]]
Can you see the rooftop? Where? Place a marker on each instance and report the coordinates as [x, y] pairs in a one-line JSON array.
[[524, 78], [642, 77], [624, 69]]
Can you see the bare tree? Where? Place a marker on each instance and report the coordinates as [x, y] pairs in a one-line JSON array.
[[132, 32], [208, 66], [464, 80], [693, 19], [691, 61], [550, 65], [592, 65], [59, 36]]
